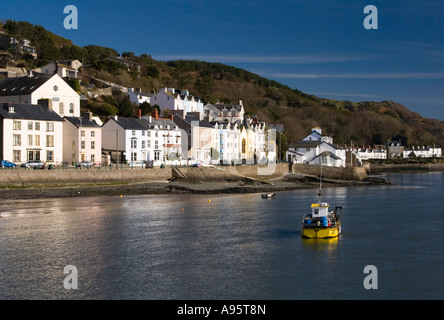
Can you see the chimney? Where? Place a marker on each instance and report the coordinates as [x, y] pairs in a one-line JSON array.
[[155, 114], [87, 115], [138, 113], [171, 117], [29, 73], [47, 103]]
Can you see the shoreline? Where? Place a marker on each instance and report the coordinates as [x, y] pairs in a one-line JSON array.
[[179, 187], [43, 184]]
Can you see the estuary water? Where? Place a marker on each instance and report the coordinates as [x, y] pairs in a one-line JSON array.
[[227, 246]]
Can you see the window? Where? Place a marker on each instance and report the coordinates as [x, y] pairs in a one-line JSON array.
[[143, 144], [93, 158], [156, 134], [16, 156], [37, 126], [133, 132], [143, 132], [148, 144], [50, 141], [29, 125], [82, 145], [244, 149], [17, 125], [61, 108], [148, 133], [49, 126], [16, 140], [93, 134], [156, 155], [49, 155], [37, 140], [30, 140], [93, 145], [71, 107], [133, 156], [73, 145], [324, 159], [82, 133], [156, 144], [133, 144]]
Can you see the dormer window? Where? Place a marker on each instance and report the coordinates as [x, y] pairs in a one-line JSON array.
[[11, 109]]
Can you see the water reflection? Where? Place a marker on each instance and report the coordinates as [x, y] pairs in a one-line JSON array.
[[231, 247]]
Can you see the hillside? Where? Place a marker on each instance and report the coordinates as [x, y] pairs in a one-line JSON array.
[[363, 123]]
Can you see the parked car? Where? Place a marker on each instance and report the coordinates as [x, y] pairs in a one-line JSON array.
[[86, 163], [197, 165], [35, 164], [8, 164]]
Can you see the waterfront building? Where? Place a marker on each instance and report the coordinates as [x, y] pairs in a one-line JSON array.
[[139, 140], [82, 140], [422, 152], [394, 149], [220, 112], [35, 86], [316, 149], [377, 152], [30, 132], [202, 140]]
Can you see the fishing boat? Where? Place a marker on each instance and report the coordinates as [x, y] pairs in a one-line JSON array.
[[269, 196], [321, 222]]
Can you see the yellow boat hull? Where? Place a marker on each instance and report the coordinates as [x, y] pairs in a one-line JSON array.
[[321, 233]]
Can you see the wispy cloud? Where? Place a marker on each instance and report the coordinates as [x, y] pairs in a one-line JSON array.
[[407, 75], [295, 59]]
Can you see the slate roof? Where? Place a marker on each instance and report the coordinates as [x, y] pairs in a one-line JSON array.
[[84, 123], [133, 123], [144, 124], [22, 85], [28, 111]]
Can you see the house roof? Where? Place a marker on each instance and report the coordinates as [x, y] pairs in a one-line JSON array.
[[162, 122], [23, 85], [133, 123], [143, 124], [201, 123], [222, 106], [28, 111], [327, 154], [82, 122]]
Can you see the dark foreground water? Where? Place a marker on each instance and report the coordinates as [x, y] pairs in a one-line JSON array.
[[232, 247]]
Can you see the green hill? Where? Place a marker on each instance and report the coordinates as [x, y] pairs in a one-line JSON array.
[[364, 123]]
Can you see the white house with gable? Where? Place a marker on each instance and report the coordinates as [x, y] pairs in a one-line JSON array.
[[316, 149], [36, 86]]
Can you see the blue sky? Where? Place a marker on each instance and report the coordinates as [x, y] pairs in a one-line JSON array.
[[319, 47]]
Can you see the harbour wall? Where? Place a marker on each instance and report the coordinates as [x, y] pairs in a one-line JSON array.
[[410, 167], [244, 174]]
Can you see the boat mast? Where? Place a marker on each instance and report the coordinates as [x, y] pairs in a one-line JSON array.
[[320, 180]]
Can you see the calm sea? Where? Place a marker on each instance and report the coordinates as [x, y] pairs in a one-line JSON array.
[[227, 246]]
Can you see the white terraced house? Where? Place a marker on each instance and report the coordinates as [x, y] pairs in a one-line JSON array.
[[137, 141], [30, 132]]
